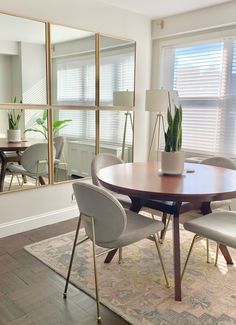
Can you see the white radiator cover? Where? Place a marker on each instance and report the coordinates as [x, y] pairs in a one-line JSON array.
[[80, 155]]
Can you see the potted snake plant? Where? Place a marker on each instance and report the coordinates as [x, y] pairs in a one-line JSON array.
[[14, 116], [172, 161]]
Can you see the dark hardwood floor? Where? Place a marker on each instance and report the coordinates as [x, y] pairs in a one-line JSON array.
[[31, 293]]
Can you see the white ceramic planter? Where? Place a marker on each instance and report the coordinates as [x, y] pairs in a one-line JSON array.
[[14, 135], [172, 163]]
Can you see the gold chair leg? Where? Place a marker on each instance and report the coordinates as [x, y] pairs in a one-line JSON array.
[[18, 180], [208, 250], [217, 253], [188, 256], [95, 272], [166, 228], [9, 187], [158, 236], [120, 255], [72, 256], [161, 260]]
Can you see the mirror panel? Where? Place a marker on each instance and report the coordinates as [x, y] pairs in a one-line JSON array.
[[73, 66], [117, 65], [22, 60], [74, 141], [23, 150], [116, 134]]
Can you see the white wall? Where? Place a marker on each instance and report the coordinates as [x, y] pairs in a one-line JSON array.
[[195, 21], [205, 23], [5, 78], [96, 17], [33, 72]]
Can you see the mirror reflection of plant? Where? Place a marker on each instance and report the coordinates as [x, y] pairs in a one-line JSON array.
[[14, 116], [40, 125]]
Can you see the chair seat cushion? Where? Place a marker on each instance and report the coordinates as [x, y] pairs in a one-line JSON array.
[[218, 226], [221, 204], [19, 169], [138, 227]]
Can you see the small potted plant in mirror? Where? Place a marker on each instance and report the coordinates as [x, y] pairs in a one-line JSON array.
[[40, 125], [14, 116], [172, 160]]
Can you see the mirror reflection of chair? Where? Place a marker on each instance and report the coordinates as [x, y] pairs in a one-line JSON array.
[[58, 162], [100, 211], [33, 163]]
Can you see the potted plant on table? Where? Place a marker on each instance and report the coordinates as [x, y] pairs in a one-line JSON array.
[[172, 162], [14, 116]]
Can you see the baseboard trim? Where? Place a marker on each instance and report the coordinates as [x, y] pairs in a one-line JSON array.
[[37, 221]]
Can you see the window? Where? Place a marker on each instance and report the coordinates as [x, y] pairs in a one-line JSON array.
[[76, 80], [205, 77], [74, 77]]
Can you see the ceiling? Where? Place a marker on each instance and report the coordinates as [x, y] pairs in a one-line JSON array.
[[162, 8]]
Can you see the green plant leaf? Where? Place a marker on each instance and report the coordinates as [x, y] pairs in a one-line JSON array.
[[36, 130], [173, 135], [57, 124]]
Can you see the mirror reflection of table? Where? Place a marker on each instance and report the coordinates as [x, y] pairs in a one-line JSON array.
[[201, 185], [14, 148]]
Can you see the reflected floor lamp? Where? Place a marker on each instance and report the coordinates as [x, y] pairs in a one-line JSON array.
[[158, 100], [124, 99]]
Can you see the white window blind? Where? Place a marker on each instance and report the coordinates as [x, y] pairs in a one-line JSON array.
[[82, 124], [205, 77], [74, 84], [116, 73], [76, 80]]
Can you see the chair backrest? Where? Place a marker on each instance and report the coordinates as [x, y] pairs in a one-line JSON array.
[[220, 162], [58, 144], [32, 155], [100, 161], [109, 215]]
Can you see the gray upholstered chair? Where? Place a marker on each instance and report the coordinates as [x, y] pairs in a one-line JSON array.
[[103, 160], [219, 226], [33, 163], [109, 225], [224, 204], [220, 162]]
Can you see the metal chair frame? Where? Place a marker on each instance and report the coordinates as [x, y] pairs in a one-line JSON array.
[[90, 219]]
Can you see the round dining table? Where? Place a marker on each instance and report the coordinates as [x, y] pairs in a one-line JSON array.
[[199, 185]]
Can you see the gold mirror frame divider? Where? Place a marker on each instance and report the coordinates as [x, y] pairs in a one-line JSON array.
[[50, 107]]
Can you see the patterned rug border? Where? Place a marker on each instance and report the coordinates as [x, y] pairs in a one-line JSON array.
[[46, 252], [107, 304]]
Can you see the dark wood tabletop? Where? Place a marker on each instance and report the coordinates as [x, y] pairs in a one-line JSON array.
[[200, 184], [15, 146]]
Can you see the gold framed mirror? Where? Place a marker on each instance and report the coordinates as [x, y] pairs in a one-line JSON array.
[[73, 60], [117, 72], [23, 149], [74, 92], [22, 61]]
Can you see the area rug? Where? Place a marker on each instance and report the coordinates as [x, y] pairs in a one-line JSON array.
[[135, 289]]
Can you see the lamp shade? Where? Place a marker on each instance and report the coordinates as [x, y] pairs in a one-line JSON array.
[[157, 100], [123, 98]]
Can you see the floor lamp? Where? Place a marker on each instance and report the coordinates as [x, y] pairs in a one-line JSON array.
[[158, 100], [124, 99]]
